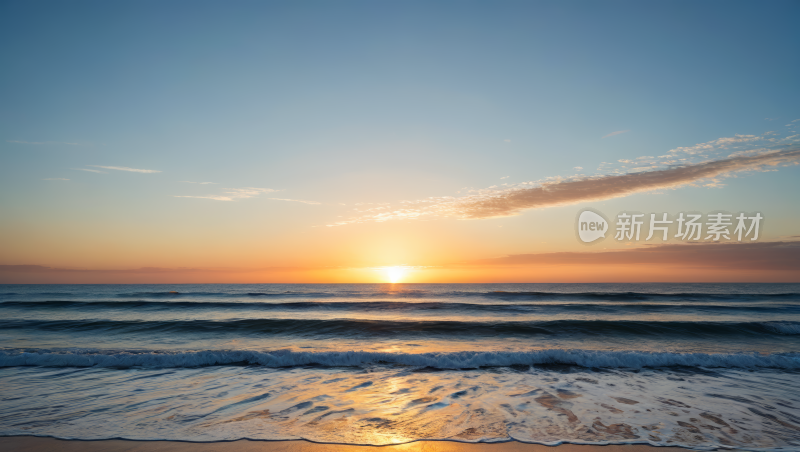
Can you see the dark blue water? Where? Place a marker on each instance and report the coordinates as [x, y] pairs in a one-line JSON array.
[[699, 365]]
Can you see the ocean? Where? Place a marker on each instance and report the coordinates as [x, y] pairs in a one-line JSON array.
[[702, 366]]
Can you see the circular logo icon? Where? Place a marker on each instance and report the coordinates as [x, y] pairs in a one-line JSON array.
[[591, 226]]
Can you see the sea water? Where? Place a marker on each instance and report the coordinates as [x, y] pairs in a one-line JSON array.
[[695, 365]]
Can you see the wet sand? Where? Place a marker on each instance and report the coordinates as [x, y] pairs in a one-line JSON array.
[[34, 444]]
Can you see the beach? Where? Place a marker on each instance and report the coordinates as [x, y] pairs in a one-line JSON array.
[[32, 444]]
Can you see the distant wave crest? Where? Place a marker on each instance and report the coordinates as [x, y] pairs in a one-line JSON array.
[[784, 327], [515, 306], [642, 296]]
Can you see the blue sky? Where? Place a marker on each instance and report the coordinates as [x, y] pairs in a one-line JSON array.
[[371, 102]]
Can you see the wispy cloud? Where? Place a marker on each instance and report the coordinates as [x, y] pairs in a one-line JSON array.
[[200, 183], [715, 144], [41, 142], [55, 178], [125, 168], [89, 170], [145, 270], [618, 132], [214, 197], [640, 175], [295, 200], [41, 274], [231, 194]]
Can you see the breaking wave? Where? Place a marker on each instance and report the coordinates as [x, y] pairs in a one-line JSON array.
[[458, 360], [375, 328]]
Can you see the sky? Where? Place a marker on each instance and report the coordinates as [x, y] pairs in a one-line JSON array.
[[394, 141]]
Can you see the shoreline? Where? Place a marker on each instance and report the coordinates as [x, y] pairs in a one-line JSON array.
[[42, 444]]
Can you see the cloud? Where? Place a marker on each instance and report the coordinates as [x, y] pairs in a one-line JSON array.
[[504, 177], [231, 194], [214, 197], [90, 170], [294, 200], [715, 144], [200, 183], [772, 256], [40, 142], [55, 178], [46, 269], [125, 168], [41, 274], [551, 192], [618, 132], [578, 168]]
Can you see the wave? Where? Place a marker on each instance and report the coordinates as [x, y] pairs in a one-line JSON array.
[[280, 294], [644, 296], [457, 360], [382, 306], [374, 328]]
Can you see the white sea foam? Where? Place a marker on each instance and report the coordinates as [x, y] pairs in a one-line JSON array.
[[661, 407], [458, 360]]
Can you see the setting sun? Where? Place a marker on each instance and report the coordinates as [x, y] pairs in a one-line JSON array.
[[395, 274]]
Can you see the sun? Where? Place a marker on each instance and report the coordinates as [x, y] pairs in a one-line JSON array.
[[395, 274]]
